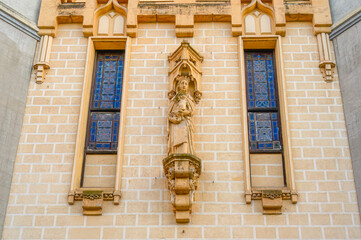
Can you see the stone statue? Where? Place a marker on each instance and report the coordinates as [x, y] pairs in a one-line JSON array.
[[180, 126], [182, 167]]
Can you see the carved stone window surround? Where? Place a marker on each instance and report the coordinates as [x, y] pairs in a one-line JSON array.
[[77, 192], [270, 206]]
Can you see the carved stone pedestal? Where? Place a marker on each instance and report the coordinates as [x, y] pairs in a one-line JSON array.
[[182, 172]]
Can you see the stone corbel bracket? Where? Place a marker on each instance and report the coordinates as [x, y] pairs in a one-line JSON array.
[[182, 172], [327, 64], [93, 200], [272, 199], [42, 58]]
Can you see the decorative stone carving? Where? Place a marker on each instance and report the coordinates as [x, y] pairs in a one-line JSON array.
[[93, 200], [181, 167], [110, 19], [43, 57], [258, 18], [272, 202], [92, 203], [327, 64], [272, 199], [182, 172], [184, 13]]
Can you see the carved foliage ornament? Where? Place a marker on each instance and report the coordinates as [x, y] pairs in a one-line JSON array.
[[181, 166]]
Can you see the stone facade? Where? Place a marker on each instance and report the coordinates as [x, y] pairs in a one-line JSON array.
[[326, 207], [18, 39]]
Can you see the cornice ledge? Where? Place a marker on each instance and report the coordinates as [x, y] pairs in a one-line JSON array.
[[18, 21], [345, 23]]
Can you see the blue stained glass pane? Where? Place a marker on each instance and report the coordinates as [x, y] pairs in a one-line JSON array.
[[264, 130], [251, 116], [104, 131], [104, 126], [260, 77], [109, 81], [105, 105], [261, 82]]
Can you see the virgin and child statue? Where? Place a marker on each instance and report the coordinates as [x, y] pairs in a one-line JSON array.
[[180, 126]]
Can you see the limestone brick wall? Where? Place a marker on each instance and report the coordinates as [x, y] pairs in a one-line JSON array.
[[327, 206]]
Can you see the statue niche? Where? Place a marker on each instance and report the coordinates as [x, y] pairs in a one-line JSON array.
[[181, 166]]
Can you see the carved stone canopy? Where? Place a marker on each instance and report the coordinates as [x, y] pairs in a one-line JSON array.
[[185, 62]]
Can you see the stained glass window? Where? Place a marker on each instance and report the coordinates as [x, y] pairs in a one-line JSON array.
[[104, 128], [262, 102], [108, 81], [104, 111], [260, 80]]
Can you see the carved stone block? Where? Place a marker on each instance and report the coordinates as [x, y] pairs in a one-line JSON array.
[[92, 203], [272, 202]]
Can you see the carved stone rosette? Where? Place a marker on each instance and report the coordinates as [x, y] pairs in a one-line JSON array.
[[181, 166], [182, 172]]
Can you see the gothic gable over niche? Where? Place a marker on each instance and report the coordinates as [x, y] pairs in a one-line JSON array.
[[258, 19], [185, 61], [109, 19]]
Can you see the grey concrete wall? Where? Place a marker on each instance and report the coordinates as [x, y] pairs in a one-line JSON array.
[[341, 8], [348, 55], [27, 8], [16, 58]]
